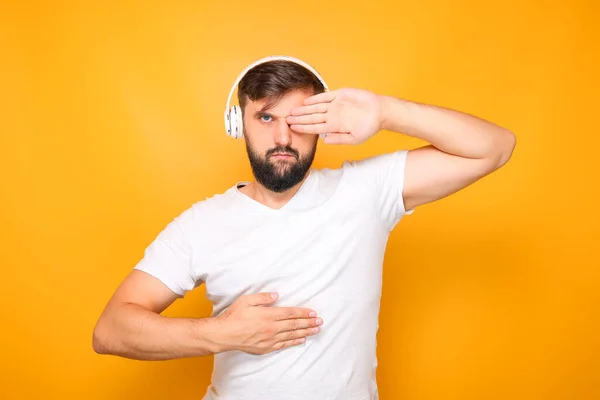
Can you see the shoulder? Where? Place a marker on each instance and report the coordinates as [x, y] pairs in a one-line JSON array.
[[361, 170], [200, 213], [378, 162], [366, 171], [217, 201]]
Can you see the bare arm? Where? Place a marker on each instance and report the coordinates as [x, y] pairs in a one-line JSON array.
[[131, 325], [462, 150]]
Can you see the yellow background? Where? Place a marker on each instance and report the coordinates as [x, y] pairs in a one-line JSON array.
[[111, 124]]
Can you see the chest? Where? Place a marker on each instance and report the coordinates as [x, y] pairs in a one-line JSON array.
[[324, 257]]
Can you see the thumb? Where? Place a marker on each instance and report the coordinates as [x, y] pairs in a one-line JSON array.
[[261, 299]]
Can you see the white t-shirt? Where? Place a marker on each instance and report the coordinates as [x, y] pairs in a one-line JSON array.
[[323, 250]]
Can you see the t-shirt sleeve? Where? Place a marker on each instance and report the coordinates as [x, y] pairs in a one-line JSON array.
[[169, 256], [383, 178]]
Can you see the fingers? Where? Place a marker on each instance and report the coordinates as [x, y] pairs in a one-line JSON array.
[[339, 138], [324, 97], [320, 108], [293, 338], [261, 299], [291, 313], [312, 128], [286, 339], [306, 119], [288, 343], [297, 334], [300, 323]]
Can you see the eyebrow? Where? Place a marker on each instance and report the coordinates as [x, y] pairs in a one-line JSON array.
[[260, 113]]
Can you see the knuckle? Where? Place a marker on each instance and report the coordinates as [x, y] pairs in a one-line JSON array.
[[277, 346], [268, 330]]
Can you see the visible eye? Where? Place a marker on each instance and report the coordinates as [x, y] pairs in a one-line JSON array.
[[266, 117]]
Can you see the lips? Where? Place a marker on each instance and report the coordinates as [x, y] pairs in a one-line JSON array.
[[284, 155]]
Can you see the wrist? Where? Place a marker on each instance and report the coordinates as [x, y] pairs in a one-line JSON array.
[[394, 113], [211, 335]]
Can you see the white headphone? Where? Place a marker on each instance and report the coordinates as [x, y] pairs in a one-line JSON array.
[[233, 115]]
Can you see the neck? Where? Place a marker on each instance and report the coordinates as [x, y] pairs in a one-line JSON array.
[[271, 199]]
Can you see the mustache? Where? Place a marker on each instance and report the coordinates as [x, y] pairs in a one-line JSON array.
[[284, 150]]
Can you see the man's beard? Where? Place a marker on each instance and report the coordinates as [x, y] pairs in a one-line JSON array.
[[280, 175]]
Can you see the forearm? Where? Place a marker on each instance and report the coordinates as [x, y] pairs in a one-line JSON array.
[[450, 131], [131, 331]]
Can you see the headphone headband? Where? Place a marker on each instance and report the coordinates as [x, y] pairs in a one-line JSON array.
[[228, 111]]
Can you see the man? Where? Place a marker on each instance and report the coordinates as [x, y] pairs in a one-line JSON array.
[[292, 261]]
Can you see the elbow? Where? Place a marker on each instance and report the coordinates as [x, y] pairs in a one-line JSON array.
[[505, 147], [99, 339]]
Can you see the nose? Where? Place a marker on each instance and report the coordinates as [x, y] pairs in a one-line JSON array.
[[283, 134]]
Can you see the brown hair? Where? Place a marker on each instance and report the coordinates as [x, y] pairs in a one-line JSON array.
[[273, 80]]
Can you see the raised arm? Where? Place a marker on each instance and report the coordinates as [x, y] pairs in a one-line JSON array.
[[463, 148]]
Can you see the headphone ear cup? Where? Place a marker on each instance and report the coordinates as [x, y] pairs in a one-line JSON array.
[[228, 122], [239, 122], [233, 128]]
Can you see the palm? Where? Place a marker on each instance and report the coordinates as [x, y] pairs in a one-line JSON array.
[[356, 112], [351, 116]]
